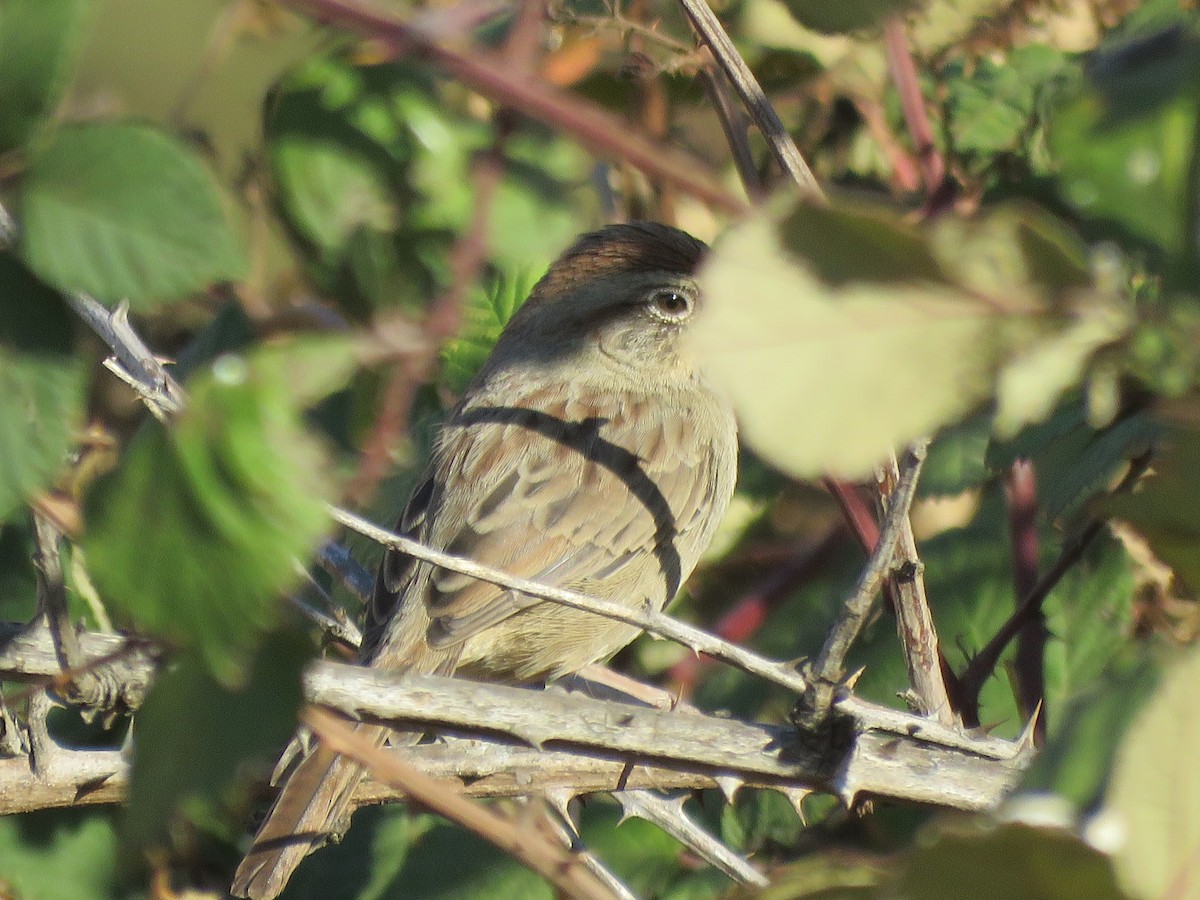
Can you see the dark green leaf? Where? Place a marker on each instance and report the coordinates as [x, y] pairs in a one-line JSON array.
[[845, 16], [124, 211], [1166, 508], [197, 532], [59, 855], [195, 733], [1077, 759], [998, 862], [41, 384], [1123, 140], [956, 459], [38, 43]]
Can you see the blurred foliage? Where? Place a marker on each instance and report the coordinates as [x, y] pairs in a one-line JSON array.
[[280, 204]]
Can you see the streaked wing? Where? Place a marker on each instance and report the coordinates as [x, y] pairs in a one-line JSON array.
[[579, 506]]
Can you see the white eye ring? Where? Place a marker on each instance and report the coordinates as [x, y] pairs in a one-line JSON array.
[[669, 305]]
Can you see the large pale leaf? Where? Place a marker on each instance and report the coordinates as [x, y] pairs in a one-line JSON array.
[[197, 532], [1156, 791], [840, 333], [125, 212], [38, 41]]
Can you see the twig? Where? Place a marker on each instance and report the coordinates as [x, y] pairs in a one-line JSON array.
[[132, 360], [490, 75], [980, 668], [589, 746], [856, 513], [528, 845], [331, 619], [1020, 493], [669, 815], [708, 26], [827, 669], [645, 618], [81, 686], [927, 671], [335, 559], [756, 604], [734, 123], [904, 75]]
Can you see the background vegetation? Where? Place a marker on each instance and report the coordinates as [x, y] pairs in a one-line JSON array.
[[324, 231]]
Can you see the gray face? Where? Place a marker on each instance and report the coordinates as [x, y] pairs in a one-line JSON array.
[[622, 326]]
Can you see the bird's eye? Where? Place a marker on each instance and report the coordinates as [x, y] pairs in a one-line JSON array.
[[671, 306]]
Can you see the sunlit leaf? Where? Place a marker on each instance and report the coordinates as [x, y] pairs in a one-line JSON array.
[[487, 312], [841, 333], [1123, 140], [124, 211], [198, 531]]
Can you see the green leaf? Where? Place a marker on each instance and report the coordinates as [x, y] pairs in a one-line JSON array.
[[1077, 760], [1166, 508], [1123, 140], [124, 211], [348, 145], [985, 861], [991, 110], [487, 312], [1155, 790], [839, 333], [41, 384], [846, 16], [1090, 615], [39, 40], [195, 733], [823, 876], [365, 864], [957, 459], [59, 854], [198, 531]]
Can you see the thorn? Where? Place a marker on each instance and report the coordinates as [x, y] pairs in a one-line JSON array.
[[628, 806], [1025, 741], [852, 679], [559, 799], [729, 785], [796, 796], [533, 736]]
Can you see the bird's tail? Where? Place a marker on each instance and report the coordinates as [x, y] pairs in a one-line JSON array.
[[310, 805]]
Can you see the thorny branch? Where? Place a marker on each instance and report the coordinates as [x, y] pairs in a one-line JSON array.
[[869, 715], [531, 844], [584, 744]]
